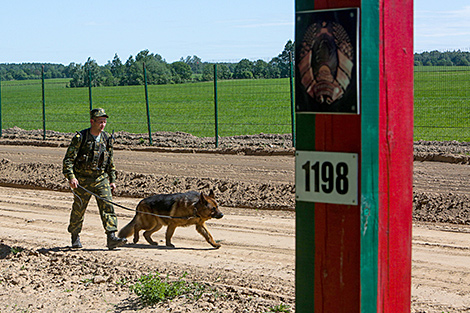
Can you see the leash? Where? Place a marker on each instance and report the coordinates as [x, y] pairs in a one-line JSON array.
[[125, 208]]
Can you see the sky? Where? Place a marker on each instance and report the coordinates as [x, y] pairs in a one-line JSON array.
[[61, 31], [441, 25]]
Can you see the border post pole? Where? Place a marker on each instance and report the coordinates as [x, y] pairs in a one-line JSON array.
[[353, 254]]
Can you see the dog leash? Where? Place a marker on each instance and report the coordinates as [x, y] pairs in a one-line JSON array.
[[125, 208]]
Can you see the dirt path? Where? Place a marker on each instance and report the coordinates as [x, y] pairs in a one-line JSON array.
[[256, 258], [428, 176], [253, 269], [256, 169]]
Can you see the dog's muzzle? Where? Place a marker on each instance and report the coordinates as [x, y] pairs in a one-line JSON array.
[[218, 215]]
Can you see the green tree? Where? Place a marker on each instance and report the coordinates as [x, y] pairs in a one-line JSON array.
[[283, 59], [181, 72], [77, 74], [223, 72], [460, 60], [93, 71], [81, 74], [158, 71], [195, 62], [19, 74], [274, 70], [108, 78], [68, 70], [243, 69], [260, 69], [117, 70], [132, 74], [208, 72]]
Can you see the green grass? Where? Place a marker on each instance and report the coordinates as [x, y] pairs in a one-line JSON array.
[[16, 250], [441, 103], [280, 308], [441, 106], [244, 107], [152, 289]]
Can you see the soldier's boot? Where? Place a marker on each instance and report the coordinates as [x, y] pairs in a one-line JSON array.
[[76, 244], [114, 242]]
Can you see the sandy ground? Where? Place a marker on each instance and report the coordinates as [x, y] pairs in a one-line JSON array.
[[254, 269]]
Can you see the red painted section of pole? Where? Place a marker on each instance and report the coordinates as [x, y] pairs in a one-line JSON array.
[[337, 227], [337, 232], [395, 155]]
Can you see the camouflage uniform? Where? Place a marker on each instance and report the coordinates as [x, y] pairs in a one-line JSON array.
[[92, 163]]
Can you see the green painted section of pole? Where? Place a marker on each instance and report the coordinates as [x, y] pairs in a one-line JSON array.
[[370, 167], [216, 113], [43, 107], [1, 134], [89, 89], [305, 228], [147, 103], [305, 211], [292, 105]]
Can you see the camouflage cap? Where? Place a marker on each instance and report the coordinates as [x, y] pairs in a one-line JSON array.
[[98, 113]]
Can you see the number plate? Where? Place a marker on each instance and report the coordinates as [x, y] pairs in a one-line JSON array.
[[327, 177]]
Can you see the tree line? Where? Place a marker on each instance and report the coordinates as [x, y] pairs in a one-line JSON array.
[[23, 71], [191, 68], [436, 58], [157, 70]]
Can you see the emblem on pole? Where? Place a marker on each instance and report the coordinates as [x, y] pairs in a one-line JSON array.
[[326, 61]]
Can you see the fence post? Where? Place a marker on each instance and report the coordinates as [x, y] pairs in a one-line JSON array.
[[1, 134], [216, 114], [147, 103], [43, 107], [292, 107], [89, 88]]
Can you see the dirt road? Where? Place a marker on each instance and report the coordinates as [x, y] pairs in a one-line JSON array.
[[253, 271]]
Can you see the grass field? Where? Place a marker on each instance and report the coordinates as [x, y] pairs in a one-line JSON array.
[[244, 107], [442, 103], [441, 106]]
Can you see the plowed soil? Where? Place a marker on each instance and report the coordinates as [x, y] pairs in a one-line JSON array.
[[253, 271]]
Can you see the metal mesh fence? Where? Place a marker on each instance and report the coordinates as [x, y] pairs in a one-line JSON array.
[[250, 106], [442, 103], [244, 106]]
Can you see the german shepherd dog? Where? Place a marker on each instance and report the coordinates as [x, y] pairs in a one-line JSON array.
[[178, 209]]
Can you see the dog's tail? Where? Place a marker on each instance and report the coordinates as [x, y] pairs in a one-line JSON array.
[[128, 230]]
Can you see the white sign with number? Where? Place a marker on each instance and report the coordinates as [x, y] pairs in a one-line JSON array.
[[327, 177]]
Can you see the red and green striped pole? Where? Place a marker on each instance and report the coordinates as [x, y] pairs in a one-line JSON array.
[[357, 257]]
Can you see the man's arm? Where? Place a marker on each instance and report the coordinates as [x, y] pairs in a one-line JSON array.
[[69, 160]]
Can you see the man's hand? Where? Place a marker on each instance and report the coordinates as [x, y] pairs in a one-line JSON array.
[[73, 183], [113, 186]]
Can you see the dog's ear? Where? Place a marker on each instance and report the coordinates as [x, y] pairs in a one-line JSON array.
[[211, 194], [202, 198]]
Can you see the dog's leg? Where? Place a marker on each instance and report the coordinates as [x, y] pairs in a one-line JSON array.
[[148, 234], [202, 229], [170, 230], [136, 233]]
